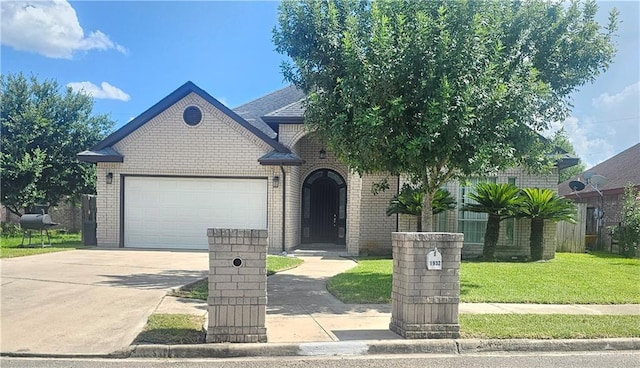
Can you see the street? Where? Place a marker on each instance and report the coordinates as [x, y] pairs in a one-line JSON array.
[[618, 359]]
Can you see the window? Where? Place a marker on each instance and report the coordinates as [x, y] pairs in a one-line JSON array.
[[471, 224], [510, 224], [192, 115]]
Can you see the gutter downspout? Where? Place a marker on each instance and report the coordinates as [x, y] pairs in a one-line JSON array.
[[284, 204]]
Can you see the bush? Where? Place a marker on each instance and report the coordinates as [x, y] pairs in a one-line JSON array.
[[8, 229], [627, 234]]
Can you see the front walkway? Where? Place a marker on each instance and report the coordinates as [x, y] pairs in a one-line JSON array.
[[300, 309]]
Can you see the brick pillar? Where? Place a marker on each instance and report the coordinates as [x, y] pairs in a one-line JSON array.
[[425, 302], [237, 285]]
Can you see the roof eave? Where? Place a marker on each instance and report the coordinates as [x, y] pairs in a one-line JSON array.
[[276, 162], [95, 157], [283, 119], [567, 162]]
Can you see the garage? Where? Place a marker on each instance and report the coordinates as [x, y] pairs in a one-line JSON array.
[[174, 212]]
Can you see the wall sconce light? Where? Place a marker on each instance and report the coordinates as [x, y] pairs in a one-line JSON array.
[[323, 154], [109, 178], [276, 181]]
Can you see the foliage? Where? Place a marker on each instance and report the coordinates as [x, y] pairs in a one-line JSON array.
[[43, 128], [628, 233], [440, 90], [570, 278], [561, 140], [499, 201], [409, 202], [540, 205], [9, 230]]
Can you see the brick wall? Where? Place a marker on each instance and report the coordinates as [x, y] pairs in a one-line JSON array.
[[165, 145], [375, 226]]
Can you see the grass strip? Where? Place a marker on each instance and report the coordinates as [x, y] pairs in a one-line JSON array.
[[172, 329], [548, 326], [598, 278], [10, 246], [200, 289]]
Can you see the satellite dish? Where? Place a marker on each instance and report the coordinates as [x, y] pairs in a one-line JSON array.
[[597, 180], [587, 175], [576, 185]]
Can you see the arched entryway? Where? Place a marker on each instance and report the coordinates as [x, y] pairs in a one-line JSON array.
[[324, 208]]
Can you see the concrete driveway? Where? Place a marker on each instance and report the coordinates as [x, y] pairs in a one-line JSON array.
[[90, 301]]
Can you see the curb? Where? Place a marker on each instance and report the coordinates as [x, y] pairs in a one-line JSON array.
[[352, 348], [349, 348]]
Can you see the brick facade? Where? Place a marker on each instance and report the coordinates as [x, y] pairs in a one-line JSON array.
[[221, 147]]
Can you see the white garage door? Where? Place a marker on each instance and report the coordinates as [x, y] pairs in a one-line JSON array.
[[176, 212]]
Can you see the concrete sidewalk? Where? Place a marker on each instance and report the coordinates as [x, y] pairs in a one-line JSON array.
[[301, 310]]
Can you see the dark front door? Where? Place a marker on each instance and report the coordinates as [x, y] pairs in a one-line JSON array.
[[324, 208]]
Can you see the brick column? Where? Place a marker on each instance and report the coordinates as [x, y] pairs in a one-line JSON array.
[[425, 302], [237, 285]]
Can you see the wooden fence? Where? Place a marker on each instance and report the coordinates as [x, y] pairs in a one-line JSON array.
[[571, 237]]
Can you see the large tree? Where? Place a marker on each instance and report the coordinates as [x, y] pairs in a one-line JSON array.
[[43, 128], [438, 90]]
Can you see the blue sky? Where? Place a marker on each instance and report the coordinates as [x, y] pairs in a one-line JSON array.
[[129, 55]]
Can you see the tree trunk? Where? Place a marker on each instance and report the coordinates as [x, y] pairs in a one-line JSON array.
[[427, 215], [491, 238], [536, 239]]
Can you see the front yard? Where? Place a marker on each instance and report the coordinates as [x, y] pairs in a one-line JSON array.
[[10, 246], [598, 278]]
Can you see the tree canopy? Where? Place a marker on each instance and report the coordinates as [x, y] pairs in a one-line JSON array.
[[438, 90], [43, 128]]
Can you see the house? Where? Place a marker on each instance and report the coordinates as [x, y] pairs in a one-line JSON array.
[[190, 163], [604, 198]]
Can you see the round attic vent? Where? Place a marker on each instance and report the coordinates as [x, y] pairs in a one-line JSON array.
[[192, 116]]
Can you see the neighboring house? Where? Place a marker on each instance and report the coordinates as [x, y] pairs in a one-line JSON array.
[[190, 163], [604, 206]]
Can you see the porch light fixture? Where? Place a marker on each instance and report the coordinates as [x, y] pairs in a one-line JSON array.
[[109, 178], [276, 181], [323, 154]]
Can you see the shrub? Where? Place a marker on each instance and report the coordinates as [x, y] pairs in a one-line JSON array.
[[627, 234], [8, 229]]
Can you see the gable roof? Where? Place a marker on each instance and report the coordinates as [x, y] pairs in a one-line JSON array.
[[254, 111], [619, 170], [103, 151]]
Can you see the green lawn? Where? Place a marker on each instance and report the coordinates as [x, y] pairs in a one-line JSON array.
[[548, 326], [598, 278], [200, 289], [10, 246], [172, 329]]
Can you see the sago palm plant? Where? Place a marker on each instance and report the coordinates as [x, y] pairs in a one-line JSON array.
[[409, 202], [540, 205], [500, 202]]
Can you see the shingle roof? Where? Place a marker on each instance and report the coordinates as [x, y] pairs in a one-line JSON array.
[[619, 170], [253, 111]]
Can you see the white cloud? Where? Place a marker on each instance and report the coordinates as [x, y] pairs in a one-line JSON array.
[[587, 140], [105, 90], [50, 28], [607, 101]]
